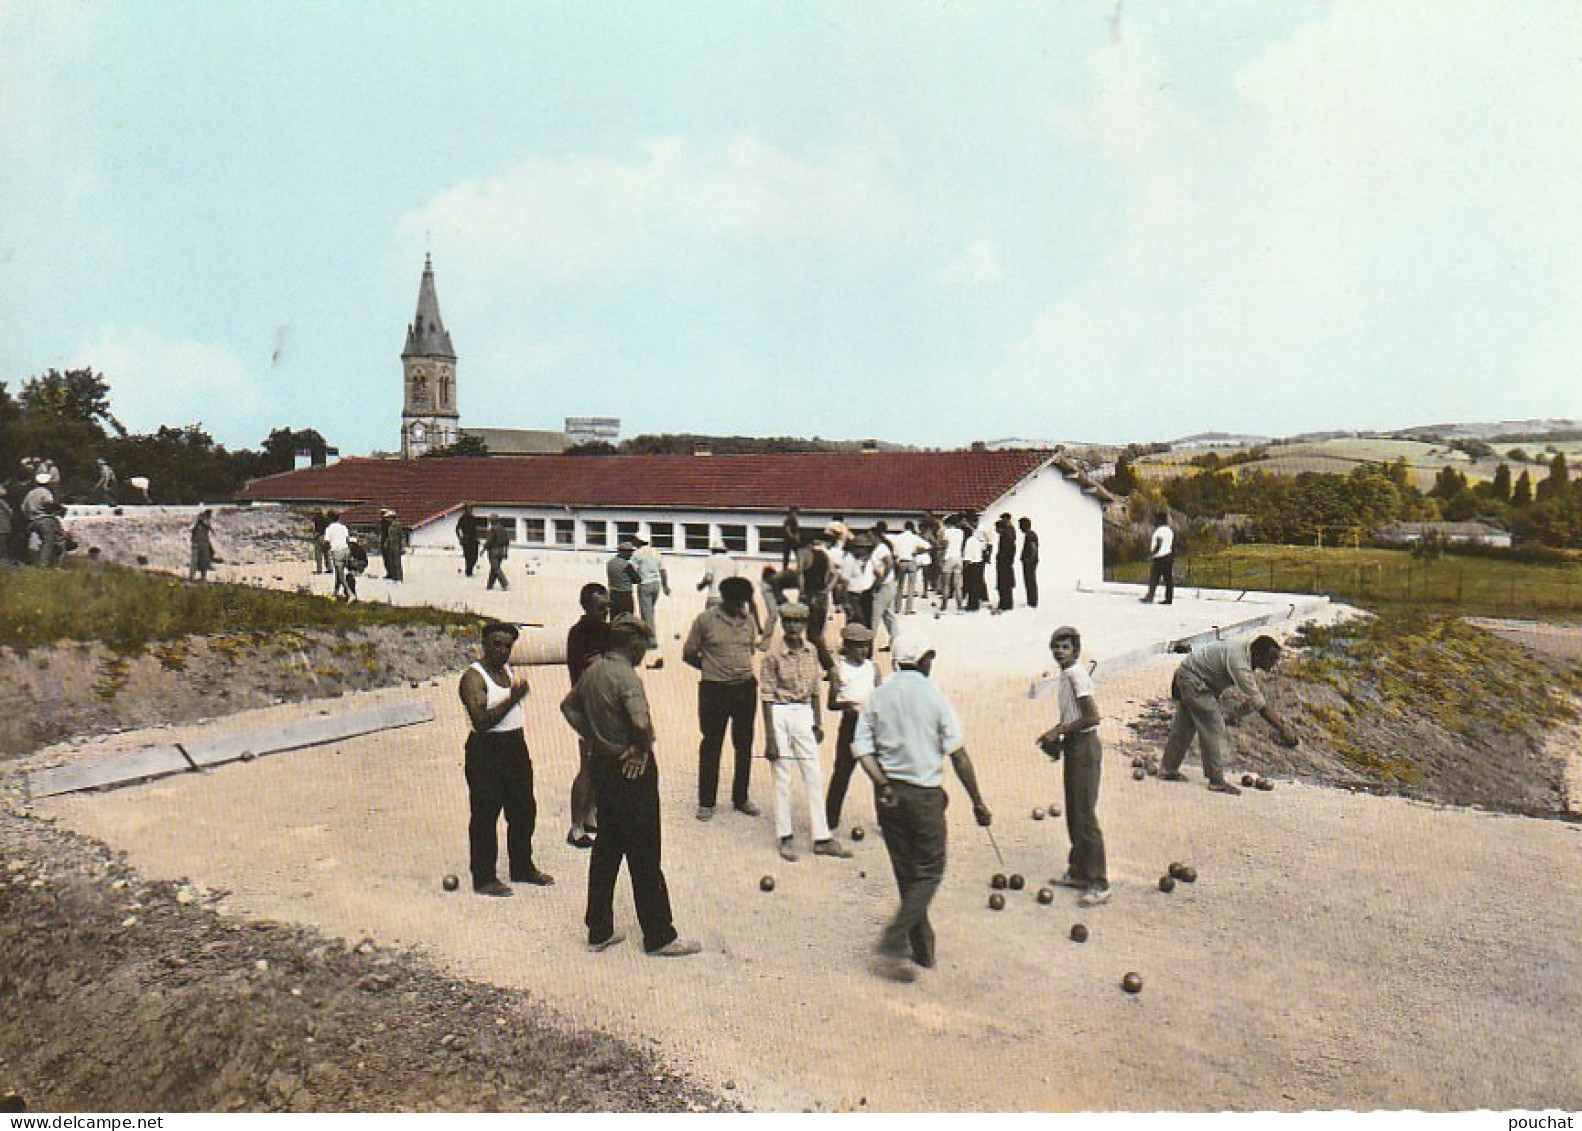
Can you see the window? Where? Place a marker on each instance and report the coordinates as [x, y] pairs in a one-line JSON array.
[[595, 532], [533, 531], [697, 535], [770, 539], [565, 532], [625, 530], [662, 535], [734, 537]]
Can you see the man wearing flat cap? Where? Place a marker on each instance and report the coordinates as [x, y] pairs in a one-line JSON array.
[[903, 738], [852, 681], [499, 769], [788, 686], [391, 539], [609, 710], [622, 576]]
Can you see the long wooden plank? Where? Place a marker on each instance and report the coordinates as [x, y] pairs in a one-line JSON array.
[[219, 749], [202, 752], [139, 765]]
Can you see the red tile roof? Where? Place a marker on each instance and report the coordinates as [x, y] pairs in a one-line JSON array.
[[422, 490]]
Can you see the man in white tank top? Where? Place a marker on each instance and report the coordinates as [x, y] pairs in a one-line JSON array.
[[499, 770]]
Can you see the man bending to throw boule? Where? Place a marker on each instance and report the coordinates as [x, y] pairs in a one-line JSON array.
[[902, 740], [499, 770], [1209, 670]]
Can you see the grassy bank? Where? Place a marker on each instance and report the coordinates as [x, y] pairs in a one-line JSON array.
[[1388, 579], [128, 608]]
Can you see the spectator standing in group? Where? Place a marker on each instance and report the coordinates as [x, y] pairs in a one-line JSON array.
[[1076, 739], [815, 578], [337, 537], [586, 642], [908, 546], [720, 645], [622, 577], [321, 548], [1005, 562], [852, 682], [498, 766], [496, 547], [17, 488], [392, 538], [1208, 671], [202, 558], [608, 709], [858, 579], [41, 520], [653, 580], [952, 572], [1162, 559], [793, 730], [884, 586], [974, 553], [469, 532], [903, 738], [1029, 562], [719, 566]]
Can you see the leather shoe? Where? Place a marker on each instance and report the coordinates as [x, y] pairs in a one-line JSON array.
[[677, 948], [831, 847], [1224, 787], [747, 809], [494, 888], [535, 877]]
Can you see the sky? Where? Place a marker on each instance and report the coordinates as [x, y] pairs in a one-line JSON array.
[[928, 222]]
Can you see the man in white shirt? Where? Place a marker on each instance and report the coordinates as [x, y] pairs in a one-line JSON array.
[[973, 552], [719, 566], [857, 577], [339, 540], [1162, 560], [907, 544], [950, 566]]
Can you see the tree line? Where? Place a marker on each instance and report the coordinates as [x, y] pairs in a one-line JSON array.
[[65, 416]]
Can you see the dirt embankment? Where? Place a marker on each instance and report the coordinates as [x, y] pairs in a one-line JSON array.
[[1431, 708], [78, 690], [120, 994]]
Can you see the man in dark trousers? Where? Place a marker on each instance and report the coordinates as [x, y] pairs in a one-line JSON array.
[[469, 529], [720, 645], [1029, 561], [1005, 562], [496, 545], [903, 738], [321, 548], [623, 577], [1162, 559], [499, 770], [391, 543], [609, 710], [586, 641], [1076, 738], [1209, 670]]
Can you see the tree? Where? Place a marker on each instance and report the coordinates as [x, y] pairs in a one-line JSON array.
[[77, 396], [1558, 483], [282, 445], [1522, 493], [1500, 486], [466, 446], [1124, 481]]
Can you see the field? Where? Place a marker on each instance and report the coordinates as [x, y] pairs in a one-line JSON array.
[[1384, 578], [1339, 456]]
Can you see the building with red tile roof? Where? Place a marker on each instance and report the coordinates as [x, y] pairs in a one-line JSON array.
[[685, 504]]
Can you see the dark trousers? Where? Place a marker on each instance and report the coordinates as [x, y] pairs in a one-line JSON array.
[[392, 564], [817, 616], [845, 763], [914, 834], [469, 556], [1005, 581], [720, 704], [321, 555], [1084, 757], [977, 592], [500, 777], [1162, 569], [496, 571], [622, 601], [628, 830], [1030, 583]]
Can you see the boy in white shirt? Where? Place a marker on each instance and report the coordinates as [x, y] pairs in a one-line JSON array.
[[852, 680], [1077, 738]]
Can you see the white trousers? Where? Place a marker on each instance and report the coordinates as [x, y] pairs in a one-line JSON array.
[[793, 723]]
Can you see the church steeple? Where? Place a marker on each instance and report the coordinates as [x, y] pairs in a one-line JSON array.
[[429, 418]]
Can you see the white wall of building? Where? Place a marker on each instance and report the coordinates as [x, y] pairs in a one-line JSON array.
[[1069, 525]]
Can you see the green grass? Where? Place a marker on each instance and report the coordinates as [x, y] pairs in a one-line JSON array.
[[129, 610], [1384, 579]]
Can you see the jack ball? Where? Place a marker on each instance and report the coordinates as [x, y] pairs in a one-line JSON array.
[[996, 901], [1079, 933], [450, 883], [1132, 983]]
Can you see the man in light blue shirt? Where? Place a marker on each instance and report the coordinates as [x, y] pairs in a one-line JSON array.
[[903, 737]]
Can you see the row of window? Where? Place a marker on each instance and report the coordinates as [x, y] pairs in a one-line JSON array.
[[661, 535]]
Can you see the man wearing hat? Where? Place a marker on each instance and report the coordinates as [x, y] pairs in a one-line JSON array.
[[391, 536], [621, 575], [903, 738], [852, 681], [609, 710], [788, 686], [499, 770], [496, 546], [720, 645]]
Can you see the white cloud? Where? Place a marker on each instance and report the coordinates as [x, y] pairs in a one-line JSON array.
[[1385, 223], [157, 382], [978, 265], [601, 217]]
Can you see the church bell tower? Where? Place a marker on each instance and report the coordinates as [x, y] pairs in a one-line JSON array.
[[428, 363]]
